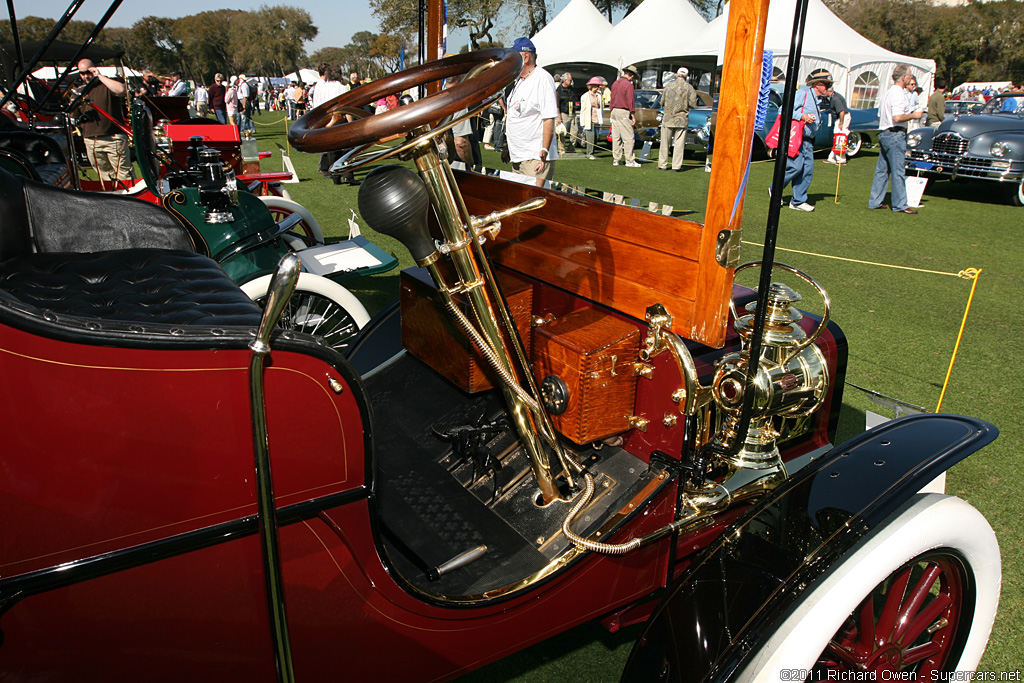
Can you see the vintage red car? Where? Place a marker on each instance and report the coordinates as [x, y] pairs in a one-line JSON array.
[[556, 423]]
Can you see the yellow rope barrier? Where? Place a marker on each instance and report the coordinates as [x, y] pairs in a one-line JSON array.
[[965, 274], [972, 273]]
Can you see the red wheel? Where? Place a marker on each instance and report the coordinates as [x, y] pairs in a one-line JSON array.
[[307, 230], [918, 595], [325, 129], [912, 621]]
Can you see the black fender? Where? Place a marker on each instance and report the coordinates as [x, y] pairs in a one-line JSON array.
[[723, 609]]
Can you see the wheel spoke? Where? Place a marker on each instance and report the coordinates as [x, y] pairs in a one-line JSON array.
[[893, 600], [928, 616], [921, 652], [866, 623], [320, 316], [916, 597], [843, 655]]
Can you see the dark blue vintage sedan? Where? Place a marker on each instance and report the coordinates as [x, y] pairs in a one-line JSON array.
[[988, 145]]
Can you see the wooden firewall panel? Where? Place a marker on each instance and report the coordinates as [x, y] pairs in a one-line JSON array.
[[618, 256]]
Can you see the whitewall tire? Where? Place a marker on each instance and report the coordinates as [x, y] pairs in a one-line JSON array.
[[308, 227], [318, 306], [946, 552]]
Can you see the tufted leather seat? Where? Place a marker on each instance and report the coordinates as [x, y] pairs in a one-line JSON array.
[[109, 257], [134, 285]]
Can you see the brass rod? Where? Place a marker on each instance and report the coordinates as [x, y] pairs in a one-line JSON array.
[[453, 219]]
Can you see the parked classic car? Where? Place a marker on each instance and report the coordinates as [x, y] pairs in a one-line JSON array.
[[648, 114], [864, 123], [555, 424], [986, 146], [962, 107]]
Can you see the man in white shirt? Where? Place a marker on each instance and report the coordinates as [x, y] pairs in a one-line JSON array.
[[246, 93], [178, 86], [893, 114], [202, 99], [289, 100], [327, 88], [530, 122]]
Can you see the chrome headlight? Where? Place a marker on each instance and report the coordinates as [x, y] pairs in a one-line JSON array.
[[660, 116], [1000, 148], [913, 140]]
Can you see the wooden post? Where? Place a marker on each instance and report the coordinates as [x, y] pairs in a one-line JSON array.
[[737, 107], [435, 47]]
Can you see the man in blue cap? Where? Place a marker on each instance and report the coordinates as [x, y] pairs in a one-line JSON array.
[[530, 122]]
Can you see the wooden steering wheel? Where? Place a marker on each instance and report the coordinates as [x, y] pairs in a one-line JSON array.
[[325, 128]]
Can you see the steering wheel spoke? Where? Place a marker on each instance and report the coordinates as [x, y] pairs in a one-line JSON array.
[[327, 129]]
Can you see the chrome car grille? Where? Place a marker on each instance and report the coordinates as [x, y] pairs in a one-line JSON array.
[[949, 143]]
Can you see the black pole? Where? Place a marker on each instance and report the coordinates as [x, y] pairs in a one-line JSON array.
[[81, 50], [422, 28], [768, 254], [19, 55], [47, 42]]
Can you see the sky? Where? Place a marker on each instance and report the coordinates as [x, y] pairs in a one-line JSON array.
[[337, 20]]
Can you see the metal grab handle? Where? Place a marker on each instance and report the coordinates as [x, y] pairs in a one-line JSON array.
[[809, 280], [281, 287]]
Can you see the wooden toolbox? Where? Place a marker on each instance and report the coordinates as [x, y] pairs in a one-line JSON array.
[[593, 354], [430, 333]]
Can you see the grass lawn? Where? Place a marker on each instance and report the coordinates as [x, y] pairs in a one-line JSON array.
[[901, 324]]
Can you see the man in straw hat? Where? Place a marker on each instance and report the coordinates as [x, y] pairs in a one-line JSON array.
[[800, 169], [679, 99], [622, 117]]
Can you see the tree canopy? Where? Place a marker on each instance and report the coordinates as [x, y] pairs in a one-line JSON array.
[[975, 41], [979, 41], [267, 41]]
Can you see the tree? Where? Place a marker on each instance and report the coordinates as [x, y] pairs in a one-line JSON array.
[[270, 39], [477, 16], [152, 44], [329, 55], [385, 51], [205, 43], [400, 18]]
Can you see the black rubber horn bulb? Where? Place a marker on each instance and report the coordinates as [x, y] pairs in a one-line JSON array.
[[394, 201]]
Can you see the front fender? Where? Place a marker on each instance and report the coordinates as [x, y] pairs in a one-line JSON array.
[[724, 607]]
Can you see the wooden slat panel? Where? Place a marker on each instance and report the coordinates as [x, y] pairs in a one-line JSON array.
[[621, 257], [674, 236], [632, 298], [623, 260]]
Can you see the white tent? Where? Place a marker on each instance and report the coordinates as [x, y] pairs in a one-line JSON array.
[[861, 68], [309, 76], [655, 29], [578, 24]]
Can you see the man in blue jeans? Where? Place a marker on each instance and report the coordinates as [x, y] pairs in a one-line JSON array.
[[800, 169], [893, 114]]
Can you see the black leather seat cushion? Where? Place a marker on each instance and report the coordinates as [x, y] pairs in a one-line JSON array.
[[37, 217], [133, 285]]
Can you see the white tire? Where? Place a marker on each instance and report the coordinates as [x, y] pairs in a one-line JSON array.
[[318, 306], [854, 143], [308, 226], [1017, 194], [929, 527]]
